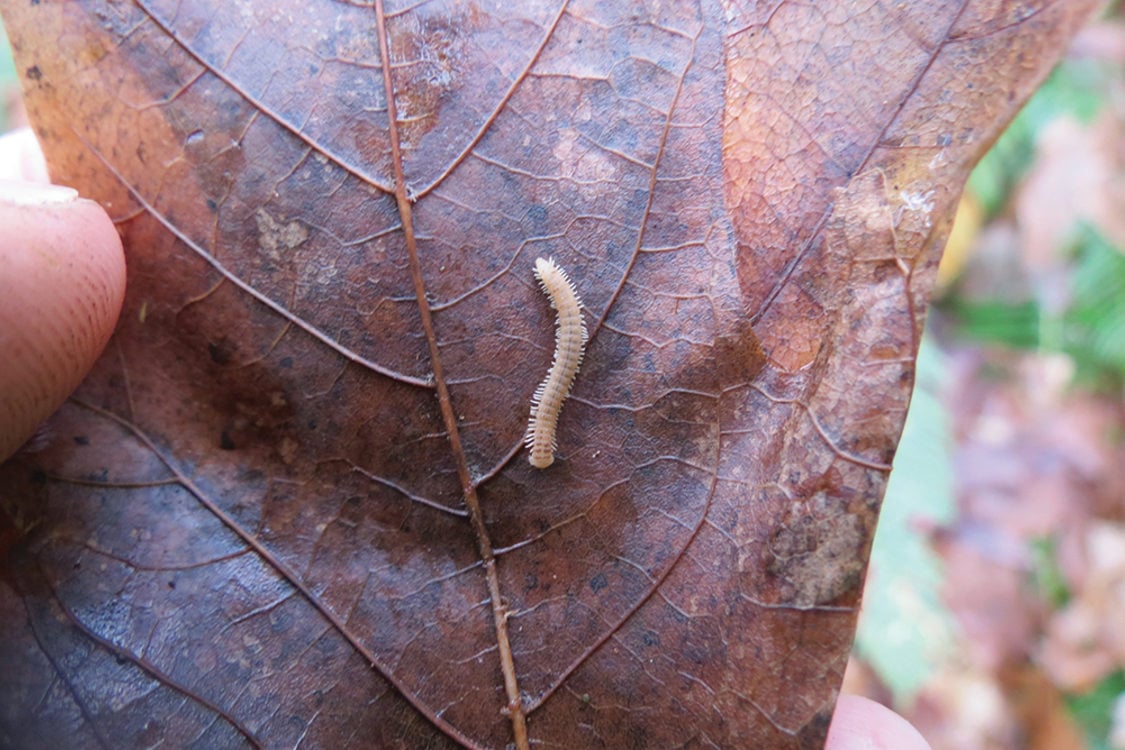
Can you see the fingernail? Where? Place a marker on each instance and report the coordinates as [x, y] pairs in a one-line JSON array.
[[35, 194]]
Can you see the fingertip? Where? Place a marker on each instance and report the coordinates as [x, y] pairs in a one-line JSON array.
[[62, 283], [862, 724]]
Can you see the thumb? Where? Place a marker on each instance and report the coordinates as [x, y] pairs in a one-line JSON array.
[[862, 724], [62, 281]]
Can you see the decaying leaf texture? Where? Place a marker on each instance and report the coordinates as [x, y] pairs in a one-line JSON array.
[[287, 507]]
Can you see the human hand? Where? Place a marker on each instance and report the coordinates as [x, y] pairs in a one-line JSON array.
[[62, 283], [862, 724]]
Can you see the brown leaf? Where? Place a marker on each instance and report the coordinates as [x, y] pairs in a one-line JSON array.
[[290, 506]]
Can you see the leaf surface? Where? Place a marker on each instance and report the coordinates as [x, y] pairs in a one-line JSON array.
[[290, 506]]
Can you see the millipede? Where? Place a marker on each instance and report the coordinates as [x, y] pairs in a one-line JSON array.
[[570, 344]]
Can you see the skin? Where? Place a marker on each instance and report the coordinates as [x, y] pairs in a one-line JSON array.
[[62, 282], [862, 724]]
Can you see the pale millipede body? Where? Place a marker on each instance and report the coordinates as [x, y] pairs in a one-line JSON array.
[[570, 343]]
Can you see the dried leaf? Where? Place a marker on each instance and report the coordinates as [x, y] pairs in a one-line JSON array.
[[288, 507]]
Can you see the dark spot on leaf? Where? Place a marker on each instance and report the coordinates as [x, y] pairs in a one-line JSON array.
[[812, 734], [286, 362], [637, 202], [220, 352], [171, 584], [33, 73], [121, 660], [530, 582], [225, 441], [280, 622], [598, 582], [650, 638], [81, 440], [537, 218]]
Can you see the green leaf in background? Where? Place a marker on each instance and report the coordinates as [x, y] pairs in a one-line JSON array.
[[1094, 709], [1094, 323], [1047, 576], [1012, 324], [905, 631], [1090, 329]]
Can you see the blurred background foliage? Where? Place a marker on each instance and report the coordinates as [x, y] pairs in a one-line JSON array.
[[9, 85], [994, 615], [1087, 324]]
